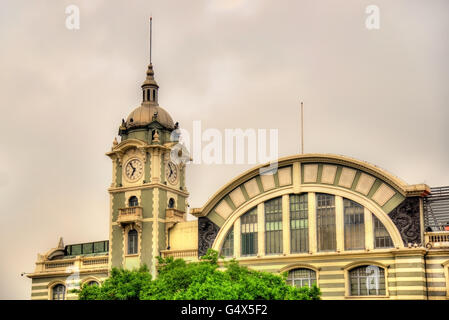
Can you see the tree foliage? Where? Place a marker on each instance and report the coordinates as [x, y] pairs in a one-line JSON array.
[[121, 285], [203, 280]]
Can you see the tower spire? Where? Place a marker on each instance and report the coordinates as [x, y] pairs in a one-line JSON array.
[[151, 35], [149, 86]]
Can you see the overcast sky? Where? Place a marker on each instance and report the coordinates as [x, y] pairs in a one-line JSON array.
[[375, 95]]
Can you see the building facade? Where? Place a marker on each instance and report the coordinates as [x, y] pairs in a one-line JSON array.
[[354, 229]]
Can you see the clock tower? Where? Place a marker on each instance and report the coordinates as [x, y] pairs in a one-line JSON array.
[[147, 194]]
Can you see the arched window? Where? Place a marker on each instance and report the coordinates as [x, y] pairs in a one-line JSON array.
[[273, 226], [92, 283], [171, 203], [301, 277], [132, 242], [58, 292], [133, 202], [299, 226], [354, 225], [325, 220], [228, 245], [382, 238], [248, 239], [367, 281]]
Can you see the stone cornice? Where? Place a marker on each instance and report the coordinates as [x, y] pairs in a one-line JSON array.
[[303, 258], [148, 186], [64, 273], [123, 146]]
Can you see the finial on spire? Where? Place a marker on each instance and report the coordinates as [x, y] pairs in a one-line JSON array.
[[151, 34], [150, 87]]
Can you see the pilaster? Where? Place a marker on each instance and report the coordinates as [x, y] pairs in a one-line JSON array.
[[286, 224], [261, 229], [311, 202], [339, 224]]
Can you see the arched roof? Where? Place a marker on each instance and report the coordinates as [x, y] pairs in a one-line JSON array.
[[367, 175]]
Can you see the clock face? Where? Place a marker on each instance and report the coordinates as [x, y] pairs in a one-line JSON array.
[[134, 169], [171, 172]]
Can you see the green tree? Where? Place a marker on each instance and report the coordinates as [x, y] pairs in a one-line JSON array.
[[201, 280], [121, 285]]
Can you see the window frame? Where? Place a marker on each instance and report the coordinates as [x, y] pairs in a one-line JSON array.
[[127, 242], [312, 196], [336, 231], [376, 220], [51, 287], [303, 266], [89, 280], [254, 212], [303, 198], [135, 199], [171, 203], [271, 212], [231, 231], [352, 228], [309, 279], [348, 268]]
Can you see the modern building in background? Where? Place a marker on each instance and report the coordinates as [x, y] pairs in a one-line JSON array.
[[354, 229]]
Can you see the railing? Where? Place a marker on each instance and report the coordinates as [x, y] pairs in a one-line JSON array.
[[70, 265], [436, 208], [95, 261], [189, 253], [437, 240], [129, 215], [58, 265], [174, 214]]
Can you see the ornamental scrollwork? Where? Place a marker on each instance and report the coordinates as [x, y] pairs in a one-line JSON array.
[[207, 232], [406, 217]]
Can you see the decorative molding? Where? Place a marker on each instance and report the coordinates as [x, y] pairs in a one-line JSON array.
[[310, 173], [143, 153], [299, 265], [328, 174], [237, 197], [365, 183], [207, 232], [383, 194], [285, 176], [120, 155], [148, 186], [356, 264], [223, 209], [406, 218], [347, 177], [251, 187]]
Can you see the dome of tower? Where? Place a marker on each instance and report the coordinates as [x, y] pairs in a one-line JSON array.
[[147, 113]]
